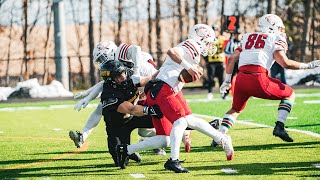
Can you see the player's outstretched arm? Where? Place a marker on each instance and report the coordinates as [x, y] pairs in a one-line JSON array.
[[226, 85], [283, 60], [93, 94], [86, 92]]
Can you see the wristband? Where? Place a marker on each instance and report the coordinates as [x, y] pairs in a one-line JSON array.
[[185, 64], [145, 110], [228, 77], [303, 66]]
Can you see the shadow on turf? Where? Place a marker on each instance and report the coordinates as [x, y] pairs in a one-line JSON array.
[[83, 152], [304, 125], [292, 145], [283, 168], [83, 170]]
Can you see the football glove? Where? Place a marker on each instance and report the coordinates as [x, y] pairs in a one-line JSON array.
[[81, 104], [153, 111], [226, 85], [314, 64], [77, 96], [310, 65]]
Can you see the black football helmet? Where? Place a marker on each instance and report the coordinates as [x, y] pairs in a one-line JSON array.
[[111, 69]]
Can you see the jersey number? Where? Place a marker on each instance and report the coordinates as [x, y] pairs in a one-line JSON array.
[[232, 23], [256, 41]]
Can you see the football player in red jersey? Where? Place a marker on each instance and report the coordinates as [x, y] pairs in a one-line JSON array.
[[165, 91], [256, 54]]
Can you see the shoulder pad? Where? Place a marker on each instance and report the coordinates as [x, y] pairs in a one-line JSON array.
[[121, 52], [191, 48]]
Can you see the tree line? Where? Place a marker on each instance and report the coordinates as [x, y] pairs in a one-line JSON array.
[[27, 32]]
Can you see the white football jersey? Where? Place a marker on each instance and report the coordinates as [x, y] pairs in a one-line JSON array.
[[170, 70], [258, 48], [147, 65], [125, 52]]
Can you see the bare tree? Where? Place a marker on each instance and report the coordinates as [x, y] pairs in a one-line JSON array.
[[180, 16], [46, 49], [9, 47], [308, 4], [24, 19], [222, 17], [205, 11], [79, 37], [118, 40], [173, 27], [91, 45], [271, 7], [149, 28], [100, 19], [196, 12], [187, 19], [158, 33]]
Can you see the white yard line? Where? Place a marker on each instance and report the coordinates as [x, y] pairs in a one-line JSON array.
[[263, 125], [199, 115]]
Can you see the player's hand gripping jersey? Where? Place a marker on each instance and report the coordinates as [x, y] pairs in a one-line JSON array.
[[257, 48], [170, 70]]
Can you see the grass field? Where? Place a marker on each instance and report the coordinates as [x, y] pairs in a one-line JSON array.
[[34, 144]]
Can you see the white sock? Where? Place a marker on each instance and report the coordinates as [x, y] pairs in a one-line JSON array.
[[204, 127], [176, 137], [155, 142], [227, 122], [92, 122], [284, 109]]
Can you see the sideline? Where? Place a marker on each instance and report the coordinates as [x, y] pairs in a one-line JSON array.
[[262, 125], [64, 156]]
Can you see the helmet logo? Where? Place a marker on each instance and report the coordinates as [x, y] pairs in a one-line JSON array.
[[104, 73], [271, 20], [202, 32]]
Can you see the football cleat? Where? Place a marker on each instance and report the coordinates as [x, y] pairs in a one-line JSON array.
[[187, 140], [136, 157], [280, 132], [214, 144], [122, 155], [226, 144], [215, 123], [159, 151], [76, 137], [175, 165]]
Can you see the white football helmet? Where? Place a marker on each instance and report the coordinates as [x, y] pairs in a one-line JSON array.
[[104, 51], [271, 23], [204, 36]]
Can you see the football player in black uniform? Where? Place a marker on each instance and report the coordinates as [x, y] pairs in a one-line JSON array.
[[118, 97]]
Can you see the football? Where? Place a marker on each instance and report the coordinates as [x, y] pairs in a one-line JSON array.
[[185, 77]]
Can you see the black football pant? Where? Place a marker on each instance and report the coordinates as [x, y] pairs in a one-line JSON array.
[[121, 134], [214, 69]]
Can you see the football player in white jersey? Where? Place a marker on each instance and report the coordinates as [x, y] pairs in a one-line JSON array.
[[165, 91], [256, 54], [105, 51]]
